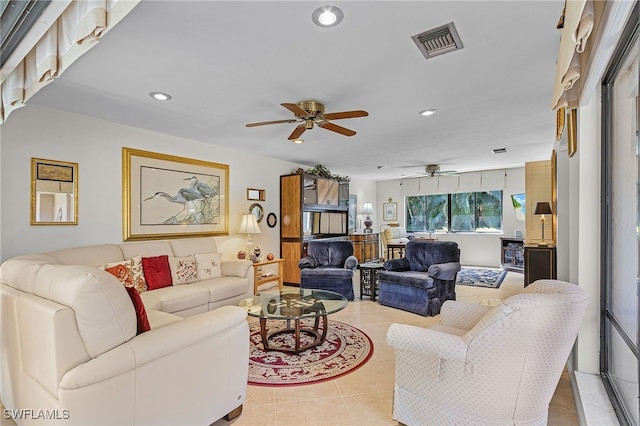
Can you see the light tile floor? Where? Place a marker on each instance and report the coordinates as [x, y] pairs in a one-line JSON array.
[[365, 396]]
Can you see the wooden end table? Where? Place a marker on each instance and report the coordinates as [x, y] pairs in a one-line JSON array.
[[260, 275], [369, 282]]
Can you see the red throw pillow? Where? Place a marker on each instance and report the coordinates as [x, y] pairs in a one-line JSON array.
[[156, 272], [141, 312]]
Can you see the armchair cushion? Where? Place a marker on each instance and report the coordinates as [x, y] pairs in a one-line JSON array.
[[422, 254], [401, 264], [407, 278], [444, 271]]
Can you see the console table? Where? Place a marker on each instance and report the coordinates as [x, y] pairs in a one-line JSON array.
[[365, 246]]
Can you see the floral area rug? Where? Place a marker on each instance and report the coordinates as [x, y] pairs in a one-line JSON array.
[[481, 277], [344, 350]]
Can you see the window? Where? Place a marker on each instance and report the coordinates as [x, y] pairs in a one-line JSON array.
[[460, 212]]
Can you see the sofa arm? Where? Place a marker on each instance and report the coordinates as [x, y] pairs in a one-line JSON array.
[[401, 264], [462, 315], [351, 262], [154, 345], [431, 343], [307, 262], [444, 271], [235, 268]]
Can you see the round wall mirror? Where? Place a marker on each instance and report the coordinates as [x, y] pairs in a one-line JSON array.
[[257, 211]]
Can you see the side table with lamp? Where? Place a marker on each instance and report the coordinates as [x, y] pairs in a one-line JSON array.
[[540, 259]]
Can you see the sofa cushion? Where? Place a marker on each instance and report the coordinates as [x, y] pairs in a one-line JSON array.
[[157, 272], [141, 313], [129, 272], [223, 287], [159, 319], [20, 272], [208, 265], [183, 269], [90, 255], [103, 311], [177, 298]]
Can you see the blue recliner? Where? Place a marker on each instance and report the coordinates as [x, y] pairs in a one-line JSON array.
[[329, 265], [421, 281]]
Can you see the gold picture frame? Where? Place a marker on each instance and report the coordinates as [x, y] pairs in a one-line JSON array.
[[389, 211], [560, 122], [54, 192], [572, 132], [166, 196], [254, 194]]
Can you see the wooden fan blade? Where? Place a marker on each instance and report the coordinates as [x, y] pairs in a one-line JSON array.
[[297, 132], [335, 128], [264, 123], [345, 114], [299, 112]]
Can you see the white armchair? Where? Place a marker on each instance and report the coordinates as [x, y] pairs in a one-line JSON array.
[[481, 365]]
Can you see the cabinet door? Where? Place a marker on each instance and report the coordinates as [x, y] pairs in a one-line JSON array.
[[290, 209], [291, 252], [328, 191]]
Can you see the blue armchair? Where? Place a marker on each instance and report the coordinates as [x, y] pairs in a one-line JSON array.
[[422, 280], [329, 265]]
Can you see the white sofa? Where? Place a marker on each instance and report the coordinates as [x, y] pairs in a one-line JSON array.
[[70, 353]]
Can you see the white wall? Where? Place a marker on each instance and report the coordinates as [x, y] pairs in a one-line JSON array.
[[475, 249], [96, 146]]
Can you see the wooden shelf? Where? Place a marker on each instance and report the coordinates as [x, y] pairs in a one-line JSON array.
[[258, 279]]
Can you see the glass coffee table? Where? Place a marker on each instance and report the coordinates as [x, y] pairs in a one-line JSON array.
[[293, 306]]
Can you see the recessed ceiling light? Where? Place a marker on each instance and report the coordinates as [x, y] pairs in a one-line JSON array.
[[327, 16], [159, 96], [298, 141], [428, 112]]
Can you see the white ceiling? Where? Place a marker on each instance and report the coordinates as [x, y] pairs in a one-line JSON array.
[[231, 63]]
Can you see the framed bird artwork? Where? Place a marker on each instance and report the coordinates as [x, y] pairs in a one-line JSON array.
[[166, 196]]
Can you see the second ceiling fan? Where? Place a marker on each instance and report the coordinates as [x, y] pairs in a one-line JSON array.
[[310, 113]]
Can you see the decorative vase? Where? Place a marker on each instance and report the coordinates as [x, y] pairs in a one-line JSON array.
[[256, 257], [270, 256], [242, 255]]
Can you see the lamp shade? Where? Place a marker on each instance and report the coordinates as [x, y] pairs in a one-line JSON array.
[[249, 224], [543, 208], [367, 208]]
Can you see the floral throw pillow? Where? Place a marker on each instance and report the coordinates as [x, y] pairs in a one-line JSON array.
[[208, 265], [129, 272], [183, 269]]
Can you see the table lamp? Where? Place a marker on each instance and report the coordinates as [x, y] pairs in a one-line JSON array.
[[368, 210], [542, 208], [249, 225]]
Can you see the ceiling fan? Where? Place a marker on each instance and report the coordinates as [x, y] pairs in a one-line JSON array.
[[309, 113], [432, 170]]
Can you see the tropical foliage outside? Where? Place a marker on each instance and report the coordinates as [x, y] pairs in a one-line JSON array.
[[460, 212]]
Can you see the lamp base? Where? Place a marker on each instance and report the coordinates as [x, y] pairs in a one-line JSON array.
[[367, 223]]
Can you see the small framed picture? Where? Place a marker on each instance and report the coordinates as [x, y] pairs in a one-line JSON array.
[[390, 211]]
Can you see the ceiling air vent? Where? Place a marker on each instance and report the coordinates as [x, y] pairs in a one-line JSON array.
[[438, 41], [500, 150]]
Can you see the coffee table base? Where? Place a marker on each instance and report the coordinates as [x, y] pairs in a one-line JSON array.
[[297, 329]]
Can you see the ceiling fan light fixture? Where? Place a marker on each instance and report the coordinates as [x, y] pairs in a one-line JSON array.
[[298, 141], [428, 112], [160, 96], [327, 16]]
